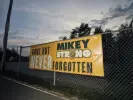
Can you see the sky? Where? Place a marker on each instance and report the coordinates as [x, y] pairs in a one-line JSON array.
[[40, 21]]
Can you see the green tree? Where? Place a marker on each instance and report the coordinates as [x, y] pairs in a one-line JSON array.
[[64, 38], [131, 24], [8, 54], [122, 31], [82, 30], [74, 33], [14, 54], [98, 30]]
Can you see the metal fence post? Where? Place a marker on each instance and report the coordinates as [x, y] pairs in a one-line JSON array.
[[54, 83], [17, 53], [19, 59]]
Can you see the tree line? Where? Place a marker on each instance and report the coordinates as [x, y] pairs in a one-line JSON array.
[[117, 50], [13, 56], [110, 43], [85, 30]]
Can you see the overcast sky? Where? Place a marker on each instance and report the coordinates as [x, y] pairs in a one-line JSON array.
[[39, 21]]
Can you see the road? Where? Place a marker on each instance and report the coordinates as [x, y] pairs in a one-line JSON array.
[[14, 90]]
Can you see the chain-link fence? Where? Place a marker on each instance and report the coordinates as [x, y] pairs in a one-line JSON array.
[[118, 65], [118, 68]]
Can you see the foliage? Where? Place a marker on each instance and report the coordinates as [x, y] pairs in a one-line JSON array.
[[98, 30], [64, 38], [125, 33], [12, 53], [74, 33], [82, 30]]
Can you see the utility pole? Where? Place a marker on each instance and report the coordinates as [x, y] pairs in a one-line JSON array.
[[6, 36]]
